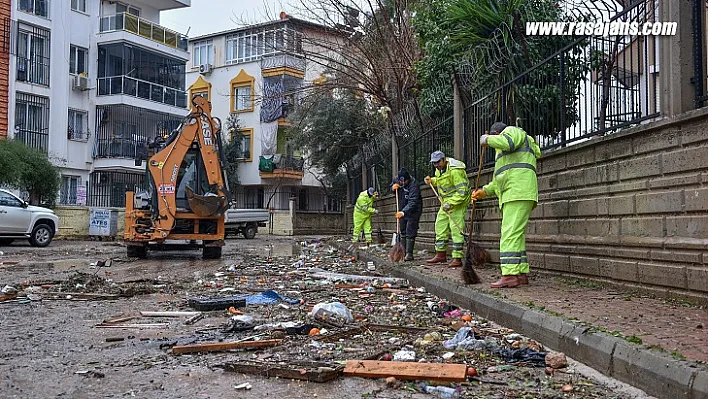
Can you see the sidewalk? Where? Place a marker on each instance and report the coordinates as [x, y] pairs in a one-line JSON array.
[[657, 345]]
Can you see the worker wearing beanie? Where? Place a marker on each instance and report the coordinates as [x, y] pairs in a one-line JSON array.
[[411, 207], [453, 187], [515, 184], [363, 211]]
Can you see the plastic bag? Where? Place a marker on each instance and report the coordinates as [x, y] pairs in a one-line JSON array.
[[466, 340], [333, 311]]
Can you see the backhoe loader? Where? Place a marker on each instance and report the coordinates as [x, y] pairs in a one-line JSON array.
[[187, 191]]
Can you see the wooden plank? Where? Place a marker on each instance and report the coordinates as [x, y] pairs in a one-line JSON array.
[[294, 370], [224, 346], [406, 370], [155, 325], [168, 314]]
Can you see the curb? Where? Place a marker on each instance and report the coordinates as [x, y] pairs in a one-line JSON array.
[[642, 368]]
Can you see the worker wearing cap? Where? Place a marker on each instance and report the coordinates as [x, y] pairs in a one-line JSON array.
[[515, 184], [411, 207], [363, 211], [454, 190]]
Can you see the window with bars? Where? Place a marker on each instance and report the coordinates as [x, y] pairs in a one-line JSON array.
[[36, 7], [78, 60], [203, 53], [78, 125], [69, 188], [32, 54], [32, 120], [253, 44]]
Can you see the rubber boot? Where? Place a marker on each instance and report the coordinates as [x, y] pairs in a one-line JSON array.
[[523, 279], [506, 281], [403, 241], [409, 249], [440, 257], [456, 262]]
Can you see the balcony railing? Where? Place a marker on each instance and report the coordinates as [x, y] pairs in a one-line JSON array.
[[39, 8], [77, 135], [33, 70], [120, 148], [144, 28], [142, 89]]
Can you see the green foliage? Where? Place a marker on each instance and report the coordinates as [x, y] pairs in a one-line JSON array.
[[28, 169], [231, 139]]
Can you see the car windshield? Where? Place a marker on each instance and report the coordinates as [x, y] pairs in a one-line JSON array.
[[8, 199]]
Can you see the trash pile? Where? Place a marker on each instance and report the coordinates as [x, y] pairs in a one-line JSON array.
[[323, 314]]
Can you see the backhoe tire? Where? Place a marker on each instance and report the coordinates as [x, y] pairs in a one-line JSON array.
[[250, 232], [211, 253], [6, 241], [137, 251], [41, 236]]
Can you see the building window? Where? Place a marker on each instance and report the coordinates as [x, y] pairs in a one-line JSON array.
[[203, 53], [69, 188], [252, 44], [124, 8], [36, 7], [246, 138], [32, 120], [242, 92], [78, 125], [78, 5], [32, 55], [78, 58]]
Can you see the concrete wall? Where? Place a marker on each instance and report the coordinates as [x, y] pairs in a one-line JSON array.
[[74, 221], [318, 223], [628, 208]]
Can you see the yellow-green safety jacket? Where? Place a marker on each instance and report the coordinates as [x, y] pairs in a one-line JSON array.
[[364, 204], [452, 183], [515, 167]]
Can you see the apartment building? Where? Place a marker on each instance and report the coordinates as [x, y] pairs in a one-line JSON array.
[[90, 83], [257, 72]]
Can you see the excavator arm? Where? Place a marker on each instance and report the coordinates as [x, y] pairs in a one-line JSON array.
[[199, 127]]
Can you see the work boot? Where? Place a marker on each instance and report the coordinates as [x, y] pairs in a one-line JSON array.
[[523, 279], [506, 281], [440, 257], [403, 241], [456, 262], [410, 243]]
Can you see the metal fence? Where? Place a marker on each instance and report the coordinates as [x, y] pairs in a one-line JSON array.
[[107, 189], [699, 53], [593, 86], [414, 155]]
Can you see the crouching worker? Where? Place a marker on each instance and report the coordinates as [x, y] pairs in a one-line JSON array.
[[515, 184], [363, 211], [411, 207]]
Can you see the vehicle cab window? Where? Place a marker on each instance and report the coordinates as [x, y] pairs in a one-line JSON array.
[[9, 200]]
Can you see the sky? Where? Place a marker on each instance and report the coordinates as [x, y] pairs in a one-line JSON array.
[[209, 16]]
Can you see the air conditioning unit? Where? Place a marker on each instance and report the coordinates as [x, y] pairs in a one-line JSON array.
[[205, 69], [81, 83]]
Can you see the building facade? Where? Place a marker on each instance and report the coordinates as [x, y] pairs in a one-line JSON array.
[[258, 73], [91, 83]]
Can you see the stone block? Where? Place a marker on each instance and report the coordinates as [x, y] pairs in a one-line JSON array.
[[685, 160], [628, 253], [621, 205], [643, 226], [547, 182], [659, 202], [675, 256], [586, 207], [661, 141], [697, 278], [583, 156], [674, 181], [662, 274], [687, 226], [602, 227], [584, 265], [613, 150], [592, 191], [601, 174], [571, 179], [640, 167], [552, 163], [603, 206], [546, 227], [559, 263], [696, 199], [573, 227], [630, 187], [618, 269], [556, 209], [693, 133]]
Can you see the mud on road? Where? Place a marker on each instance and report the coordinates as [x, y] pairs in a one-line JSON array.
[[51, 347]]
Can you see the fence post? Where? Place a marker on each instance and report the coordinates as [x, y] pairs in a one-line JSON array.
[[698, 35], [458, 150], [562, 98]]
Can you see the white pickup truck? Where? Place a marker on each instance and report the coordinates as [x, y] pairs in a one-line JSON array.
[[245, 221], [20, 220]]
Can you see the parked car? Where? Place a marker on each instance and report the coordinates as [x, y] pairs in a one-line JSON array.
[[245, 221], [20, 220]]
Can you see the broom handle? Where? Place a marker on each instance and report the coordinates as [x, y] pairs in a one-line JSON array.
[[462, 231], [476, 183]]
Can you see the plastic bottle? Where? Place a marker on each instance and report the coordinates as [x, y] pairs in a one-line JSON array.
[[434, 307], [442, 392]]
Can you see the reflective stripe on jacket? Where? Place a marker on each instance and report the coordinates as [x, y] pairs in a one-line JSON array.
[[364, 204], [452, 183], [515, 167]]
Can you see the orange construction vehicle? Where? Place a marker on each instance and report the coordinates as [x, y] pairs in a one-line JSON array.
[[187, 190]]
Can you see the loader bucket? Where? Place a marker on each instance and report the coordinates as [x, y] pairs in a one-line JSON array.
[[209, 205]]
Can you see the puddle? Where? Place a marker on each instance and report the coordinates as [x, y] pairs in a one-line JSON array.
[[277, 250]]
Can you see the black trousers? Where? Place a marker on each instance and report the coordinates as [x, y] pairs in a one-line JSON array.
[[409, 225]]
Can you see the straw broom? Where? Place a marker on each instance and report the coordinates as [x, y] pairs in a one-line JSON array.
[[476, 256], [397, 253]]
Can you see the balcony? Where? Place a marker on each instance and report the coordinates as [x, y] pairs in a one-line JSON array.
[[142, 89], [281, 166], [144, 28], [283, 64]]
